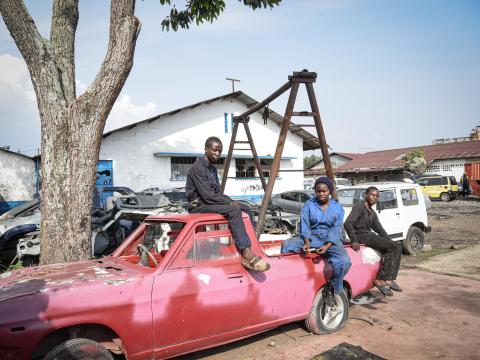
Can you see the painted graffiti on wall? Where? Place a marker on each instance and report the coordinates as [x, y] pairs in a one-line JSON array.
[[251, 188]]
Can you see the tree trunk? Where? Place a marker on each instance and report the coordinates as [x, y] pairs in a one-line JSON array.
[[71, 128]]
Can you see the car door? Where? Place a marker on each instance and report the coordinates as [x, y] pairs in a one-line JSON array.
[[389, 213], [203, 292]]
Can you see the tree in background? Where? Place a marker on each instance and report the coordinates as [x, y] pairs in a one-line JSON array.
[[310, 160], [71, 126], [415, 161]]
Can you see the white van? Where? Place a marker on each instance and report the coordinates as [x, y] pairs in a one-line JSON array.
[[401, 210]]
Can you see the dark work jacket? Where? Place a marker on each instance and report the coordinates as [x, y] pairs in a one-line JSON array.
[[361, 221], [203, 185]]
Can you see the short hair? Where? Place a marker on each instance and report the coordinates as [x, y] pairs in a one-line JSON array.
[[371, 188], [211, 140]]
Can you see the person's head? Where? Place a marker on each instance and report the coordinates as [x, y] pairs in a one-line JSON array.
[[323, 188], [371, 195], [213, 149]]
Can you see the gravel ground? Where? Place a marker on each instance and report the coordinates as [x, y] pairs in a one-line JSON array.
[[455, 225]]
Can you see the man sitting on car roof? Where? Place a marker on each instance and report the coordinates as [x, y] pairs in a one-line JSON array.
[[205, 196]]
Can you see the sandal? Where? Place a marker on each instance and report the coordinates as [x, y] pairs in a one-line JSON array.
[[384, 289], [256, 264], [394, 286]]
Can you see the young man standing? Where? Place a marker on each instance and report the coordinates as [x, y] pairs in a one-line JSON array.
[[205, 196], [363, 226]]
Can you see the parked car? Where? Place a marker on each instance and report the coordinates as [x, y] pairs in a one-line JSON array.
[[440, 187], [401, 210], [291, 201], [342, 183], [176, 285]]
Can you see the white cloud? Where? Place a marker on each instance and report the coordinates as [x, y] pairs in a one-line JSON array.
[[14, 73], [20, 123], [125, 112]]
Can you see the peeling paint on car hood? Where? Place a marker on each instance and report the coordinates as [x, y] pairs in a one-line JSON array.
[[51, 278]]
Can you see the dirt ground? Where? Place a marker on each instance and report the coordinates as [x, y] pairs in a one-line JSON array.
[[436, 316], [455, 224]]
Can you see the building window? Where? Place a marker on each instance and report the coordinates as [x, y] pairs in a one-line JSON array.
[[180, 166], [245, 168]]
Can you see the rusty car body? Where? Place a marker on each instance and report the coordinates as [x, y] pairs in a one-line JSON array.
[[175, 286]]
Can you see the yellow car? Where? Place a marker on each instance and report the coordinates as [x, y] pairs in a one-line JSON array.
[[440, 187]]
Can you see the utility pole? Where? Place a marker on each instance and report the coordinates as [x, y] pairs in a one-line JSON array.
[[233, 83]]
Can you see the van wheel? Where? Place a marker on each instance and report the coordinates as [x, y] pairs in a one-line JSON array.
[[79, 348], [413, 243], [445, 197], [323, 319]]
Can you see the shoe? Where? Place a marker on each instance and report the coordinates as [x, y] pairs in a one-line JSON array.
[[328, 292], [394, 286], [384, 289], [256, 264]]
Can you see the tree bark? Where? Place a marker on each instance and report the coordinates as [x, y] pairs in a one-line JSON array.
[[71, 128]]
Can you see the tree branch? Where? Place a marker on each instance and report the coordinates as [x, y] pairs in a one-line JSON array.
[[124, 30], [62, 37], [23, 30]]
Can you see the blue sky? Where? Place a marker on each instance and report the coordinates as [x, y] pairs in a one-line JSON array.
[[391, 73]]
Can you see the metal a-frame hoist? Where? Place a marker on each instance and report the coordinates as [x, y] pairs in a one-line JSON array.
[[294, 81]]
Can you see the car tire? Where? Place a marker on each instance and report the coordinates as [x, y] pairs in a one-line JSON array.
[[79, 349], [413, 243], [445, 197], [319, 321]]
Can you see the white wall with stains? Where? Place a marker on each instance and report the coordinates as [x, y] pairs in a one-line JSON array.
[[135, 165], [17, 177]]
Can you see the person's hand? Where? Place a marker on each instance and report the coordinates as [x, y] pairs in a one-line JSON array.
[[324, 248], [306, 246], [355, 246]]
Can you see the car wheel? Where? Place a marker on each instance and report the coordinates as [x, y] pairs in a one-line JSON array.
[[80, 348], [324, 319], [413, 243], [445, 197]]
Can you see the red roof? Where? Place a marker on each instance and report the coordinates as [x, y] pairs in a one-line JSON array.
[[392, 159], [347, 155]]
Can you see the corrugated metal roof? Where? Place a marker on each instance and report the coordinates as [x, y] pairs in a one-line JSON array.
[[310, 142], [392, 159]]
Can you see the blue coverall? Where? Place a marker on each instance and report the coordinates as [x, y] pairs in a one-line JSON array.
[[322, 227]]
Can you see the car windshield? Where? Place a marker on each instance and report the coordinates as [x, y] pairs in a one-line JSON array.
[[161, 235], [350, 197], [343, 182]]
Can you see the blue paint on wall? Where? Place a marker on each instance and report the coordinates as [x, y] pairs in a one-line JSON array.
[[225, 116], [104, 173]]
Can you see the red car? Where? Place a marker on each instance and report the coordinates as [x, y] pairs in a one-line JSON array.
[[175, 286]]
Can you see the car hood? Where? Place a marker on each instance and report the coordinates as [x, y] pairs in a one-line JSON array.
[[51, 278]]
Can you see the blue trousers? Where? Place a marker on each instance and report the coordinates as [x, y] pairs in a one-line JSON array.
[[336, 254]]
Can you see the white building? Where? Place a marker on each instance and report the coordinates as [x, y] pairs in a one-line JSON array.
[[17, 179], [159, 151]]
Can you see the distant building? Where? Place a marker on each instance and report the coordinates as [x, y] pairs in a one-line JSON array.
[[158, 152], [18, 180], [474, 135], [387, 165], [336, 159]]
